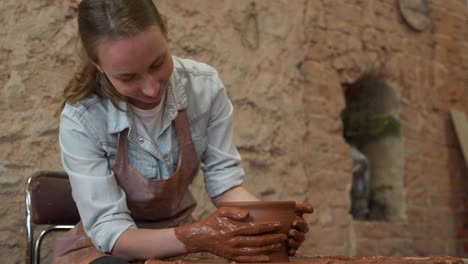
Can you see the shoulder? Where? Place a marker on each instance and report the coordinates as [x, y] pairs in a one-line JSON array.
[[90, 113], [199, 82], [92, 105], [197, 77], [192, 67], [196, 85]]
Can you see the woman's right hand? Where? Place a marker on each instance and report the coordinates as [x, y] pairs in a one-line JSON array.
[[226, 234]]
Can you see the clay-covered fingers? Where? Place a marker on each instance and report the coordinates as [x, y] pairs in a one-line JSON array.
[[304, 208], [292, 252], [258, 241], [256, 251], [251, 259], [300, 224], [299, 227], [236, 214], [227, 234], [297, 236], [257, 228], [294, 241], [293, 246]]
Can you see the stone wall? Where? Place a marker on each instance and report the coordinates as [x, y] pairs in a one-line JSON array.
[[285, 65], [428, 71]]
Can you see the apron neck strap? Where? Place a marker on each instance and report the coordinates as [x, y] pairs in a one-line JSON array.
[[121, 148], [183, 128]]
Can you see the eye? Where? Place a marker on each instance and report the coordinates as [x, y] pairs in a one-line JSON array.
[[157, 65], [127, 78]]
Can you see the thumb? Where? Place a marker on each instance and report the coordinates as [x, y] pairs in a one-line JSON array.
[[304, 208], [234, 213]]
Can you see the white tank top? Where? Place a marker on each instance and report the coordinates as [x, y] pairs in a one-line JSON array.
[[152, 120]]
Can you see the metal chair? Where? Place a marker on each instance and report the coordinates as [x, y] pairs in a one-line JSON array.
[[48, 203]]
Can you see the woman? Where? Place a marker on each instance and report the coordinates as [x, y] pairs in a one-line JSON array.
[[136, 125]]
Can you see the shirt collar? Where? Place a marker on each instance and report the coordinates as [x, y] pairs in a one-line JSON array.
[[117, 120]]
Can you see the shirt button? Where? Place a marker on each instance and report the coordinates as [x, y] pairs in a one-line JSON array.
[[166, 156], [141, 141]]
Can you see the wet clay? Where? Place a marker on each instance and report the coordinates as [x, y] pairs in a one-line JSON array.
[[228, 233], [282, 212], [326, 260], [386, 260]]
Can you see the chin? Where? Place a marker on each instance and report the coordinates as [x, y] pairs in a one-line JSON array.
[[145, 104]]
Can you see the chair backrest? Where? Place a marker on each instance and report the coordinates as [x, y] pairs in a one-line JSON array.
[[49, 202], [51, 199]]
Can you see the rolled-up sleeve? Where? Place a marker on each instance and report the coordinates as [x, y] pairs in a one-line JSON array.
[[100, 201], [221, 160]]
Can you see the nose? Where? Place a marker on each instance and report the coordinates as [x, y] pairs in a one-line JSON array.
[[151, 86]]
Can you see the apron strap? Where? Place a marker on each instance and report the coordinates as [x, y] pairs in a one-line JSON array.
[[183, 128], [121, 156]]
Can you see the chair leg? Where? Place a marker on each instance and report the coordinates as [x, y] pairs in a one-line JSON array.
[[29, 228]]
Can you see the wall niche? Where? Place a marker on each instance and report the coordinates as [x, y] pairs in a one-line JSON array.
[[371, 127]]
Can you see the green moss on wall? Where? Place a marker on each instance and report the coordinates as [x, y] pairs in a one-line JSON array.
[[360, 126]]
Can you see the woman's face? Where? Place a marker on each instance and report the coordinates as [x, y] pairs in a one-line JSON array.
[[139, 67]]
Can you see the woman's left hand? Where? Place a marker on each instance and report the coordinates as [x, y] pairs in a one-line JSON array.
[[299, 227]]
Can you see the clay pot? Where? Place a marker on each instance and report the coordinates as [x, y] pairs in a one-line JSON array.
[[277, 211]]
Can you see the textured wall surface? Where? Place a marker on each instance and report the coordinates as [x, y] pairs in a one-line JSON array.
[[285, 64]]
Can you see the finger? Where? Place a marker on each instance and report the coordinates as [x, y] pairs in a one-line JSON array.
[[233, 213], [258, 241], [300, 224], [251, 259], [291, 252], [293, 243], [249, 229], [304, 208], [296, 235], [256, 251]]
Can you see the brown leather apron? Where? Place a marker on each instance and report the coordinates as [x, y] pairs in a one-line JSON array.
[[152, 203]]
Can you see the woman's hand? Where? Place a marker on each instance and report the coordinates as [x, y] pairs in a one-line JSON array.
[[299, 227], [225, 233]]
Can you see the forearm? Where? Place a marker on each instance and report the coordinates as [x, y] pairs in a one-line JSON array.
[[148, 243], [236, 194]]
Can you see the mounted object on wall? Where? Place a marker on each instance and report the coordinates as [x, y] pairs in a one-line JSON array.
[[250, 31], [415, 13]]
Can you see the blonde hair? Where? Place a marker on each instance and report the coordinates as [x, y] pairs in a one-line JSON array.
[[104, 20]]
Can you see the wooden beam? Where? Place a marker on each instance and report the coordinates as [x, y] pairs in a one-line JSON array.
[[461, 127]]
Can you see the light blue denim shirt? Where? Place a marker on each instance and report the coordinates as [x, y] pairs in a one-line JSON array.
[[88, 140]]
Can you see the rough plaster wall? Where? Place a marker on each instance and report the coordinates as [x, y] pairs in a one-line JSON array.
[[428, 71], [37, 58], [287, 96]]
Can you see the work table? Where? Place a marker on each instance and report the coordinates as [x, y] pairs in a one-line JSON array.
[[327, 260]]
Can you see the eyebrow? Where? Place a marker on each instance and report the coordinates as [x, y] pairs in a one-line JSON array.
[[127, 75]]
